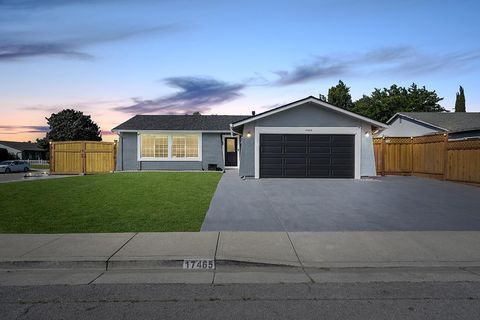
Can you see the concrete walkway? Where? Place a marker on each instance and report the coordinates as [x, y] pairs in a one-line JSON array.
[[381, 204], [296, 249]]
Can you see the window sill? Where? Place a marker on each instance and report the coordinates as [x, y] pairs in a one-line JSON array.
[[170, 159]]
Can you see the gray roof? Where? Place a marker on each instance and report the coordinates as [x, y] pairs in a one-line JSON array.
[[451, 121], [179, 122], [22, 146]]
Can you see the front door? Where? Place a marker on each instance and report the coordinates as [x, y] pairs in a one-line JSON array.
[[231, 156]]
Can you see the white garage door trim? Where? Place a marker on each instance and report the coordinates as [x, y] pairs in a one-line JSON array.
[[309, 130]]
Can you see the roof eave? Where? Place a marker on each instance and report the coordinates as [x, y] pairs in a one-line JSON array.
[[167, 130]]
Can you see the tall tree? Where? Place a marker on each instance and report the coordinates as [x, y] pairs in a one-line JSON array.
[[460, 101], [70, 125], [382, 104], [339, 96]]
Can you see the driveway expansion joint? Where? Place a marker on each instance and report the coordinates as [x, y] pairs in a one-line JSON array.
[[108, 260]]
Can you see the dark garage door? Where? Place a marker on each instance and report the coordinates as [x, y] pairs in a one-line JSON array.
[[307, 156]]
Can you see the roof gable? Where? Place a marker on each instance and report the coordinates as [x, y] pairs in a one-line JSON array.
[[22, 146], [316, 101], [446, 121]]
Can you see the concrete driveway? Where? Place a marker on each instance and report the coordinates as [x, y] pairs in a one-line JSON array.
[[384, 204]]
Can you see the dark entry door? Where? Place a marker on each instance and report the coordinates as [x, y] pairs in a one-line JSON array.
[[231, 156], [307, 156]]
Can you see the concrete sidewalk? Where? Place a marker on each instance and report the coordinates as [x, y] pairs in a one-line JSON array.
[[295, 249]]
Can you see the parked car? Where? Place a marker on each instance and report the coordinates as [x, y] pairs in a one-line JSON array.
[[14, 166]]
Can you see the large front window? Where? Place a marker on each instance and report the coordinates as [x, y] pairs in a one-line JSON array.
[[154, 146], [173, 146]]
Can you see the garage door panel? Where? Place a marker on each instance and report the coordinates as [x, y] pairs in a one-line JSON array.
[[307, 156], [289, 161], [319, 150], [271, 150], [315, 138], [342, 161], [319, 173], [342, 150], [270, 138], [295, 172], [319, 161], [341, 138], [297, 150], [270, 161], [294, 138], [341, 173]]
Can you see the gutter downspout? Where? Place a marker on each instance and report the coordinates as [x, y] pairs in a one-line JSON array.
[[232, 132]]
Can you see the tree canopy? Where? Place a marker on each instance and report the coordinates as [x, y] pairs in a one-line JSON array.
[[339, 96], [460, 101], [382, 104], [70, 125]]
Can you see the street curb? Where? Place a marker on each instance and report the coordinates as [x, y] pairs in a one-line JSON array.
[[53, 264], [177, 264]]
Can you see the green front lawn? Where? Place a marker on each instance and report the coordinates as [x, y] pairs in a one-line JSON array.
[[119, 202]]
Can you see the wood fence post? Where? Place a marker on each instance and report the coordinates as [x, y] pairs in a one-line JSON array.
[[52, 157], [84, 157], [445, 156], [115, 145], [382, 172], [411, 156]]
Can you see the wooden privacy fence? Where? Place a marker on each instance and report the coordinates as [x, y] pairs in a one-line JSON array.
[[75, 157], [431, 156]]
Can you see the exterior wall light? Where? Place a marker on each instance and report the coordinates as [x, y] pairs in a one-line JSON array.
[[249, 134], [367, 134]]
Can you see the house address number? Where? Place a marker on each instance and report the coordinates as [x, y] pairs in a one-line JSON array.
[[194, 264]]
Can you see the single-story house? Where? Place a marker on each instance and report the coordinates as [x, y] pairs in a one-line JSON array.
[[459, 125], [305, 138], [24, 150]]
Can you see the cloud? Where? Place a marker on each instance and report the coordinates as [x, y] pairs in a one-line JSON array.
[[401, 60], [12, 129], [33, 4], [196, 94], [17, 48], [16, 51]]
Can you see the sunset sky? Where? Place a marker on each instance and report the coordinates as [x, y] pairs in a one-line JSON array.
[[113, 59]]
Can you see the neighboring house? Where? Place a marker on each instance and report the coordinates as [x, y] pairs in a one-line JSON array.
[[24, 150], [305, 138], [411, 124]]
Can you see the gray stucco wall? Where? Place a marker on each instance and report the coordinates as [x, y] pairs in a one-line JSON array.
[[404, 127], [127, 155], [308, 115]]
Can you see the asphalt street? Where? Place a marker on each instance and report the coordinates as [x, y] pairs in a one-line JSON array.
[[402, 300]]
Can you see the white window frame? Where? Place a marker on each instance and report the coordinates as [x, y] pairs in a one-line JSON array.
[[170, 142], [357, 131]]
